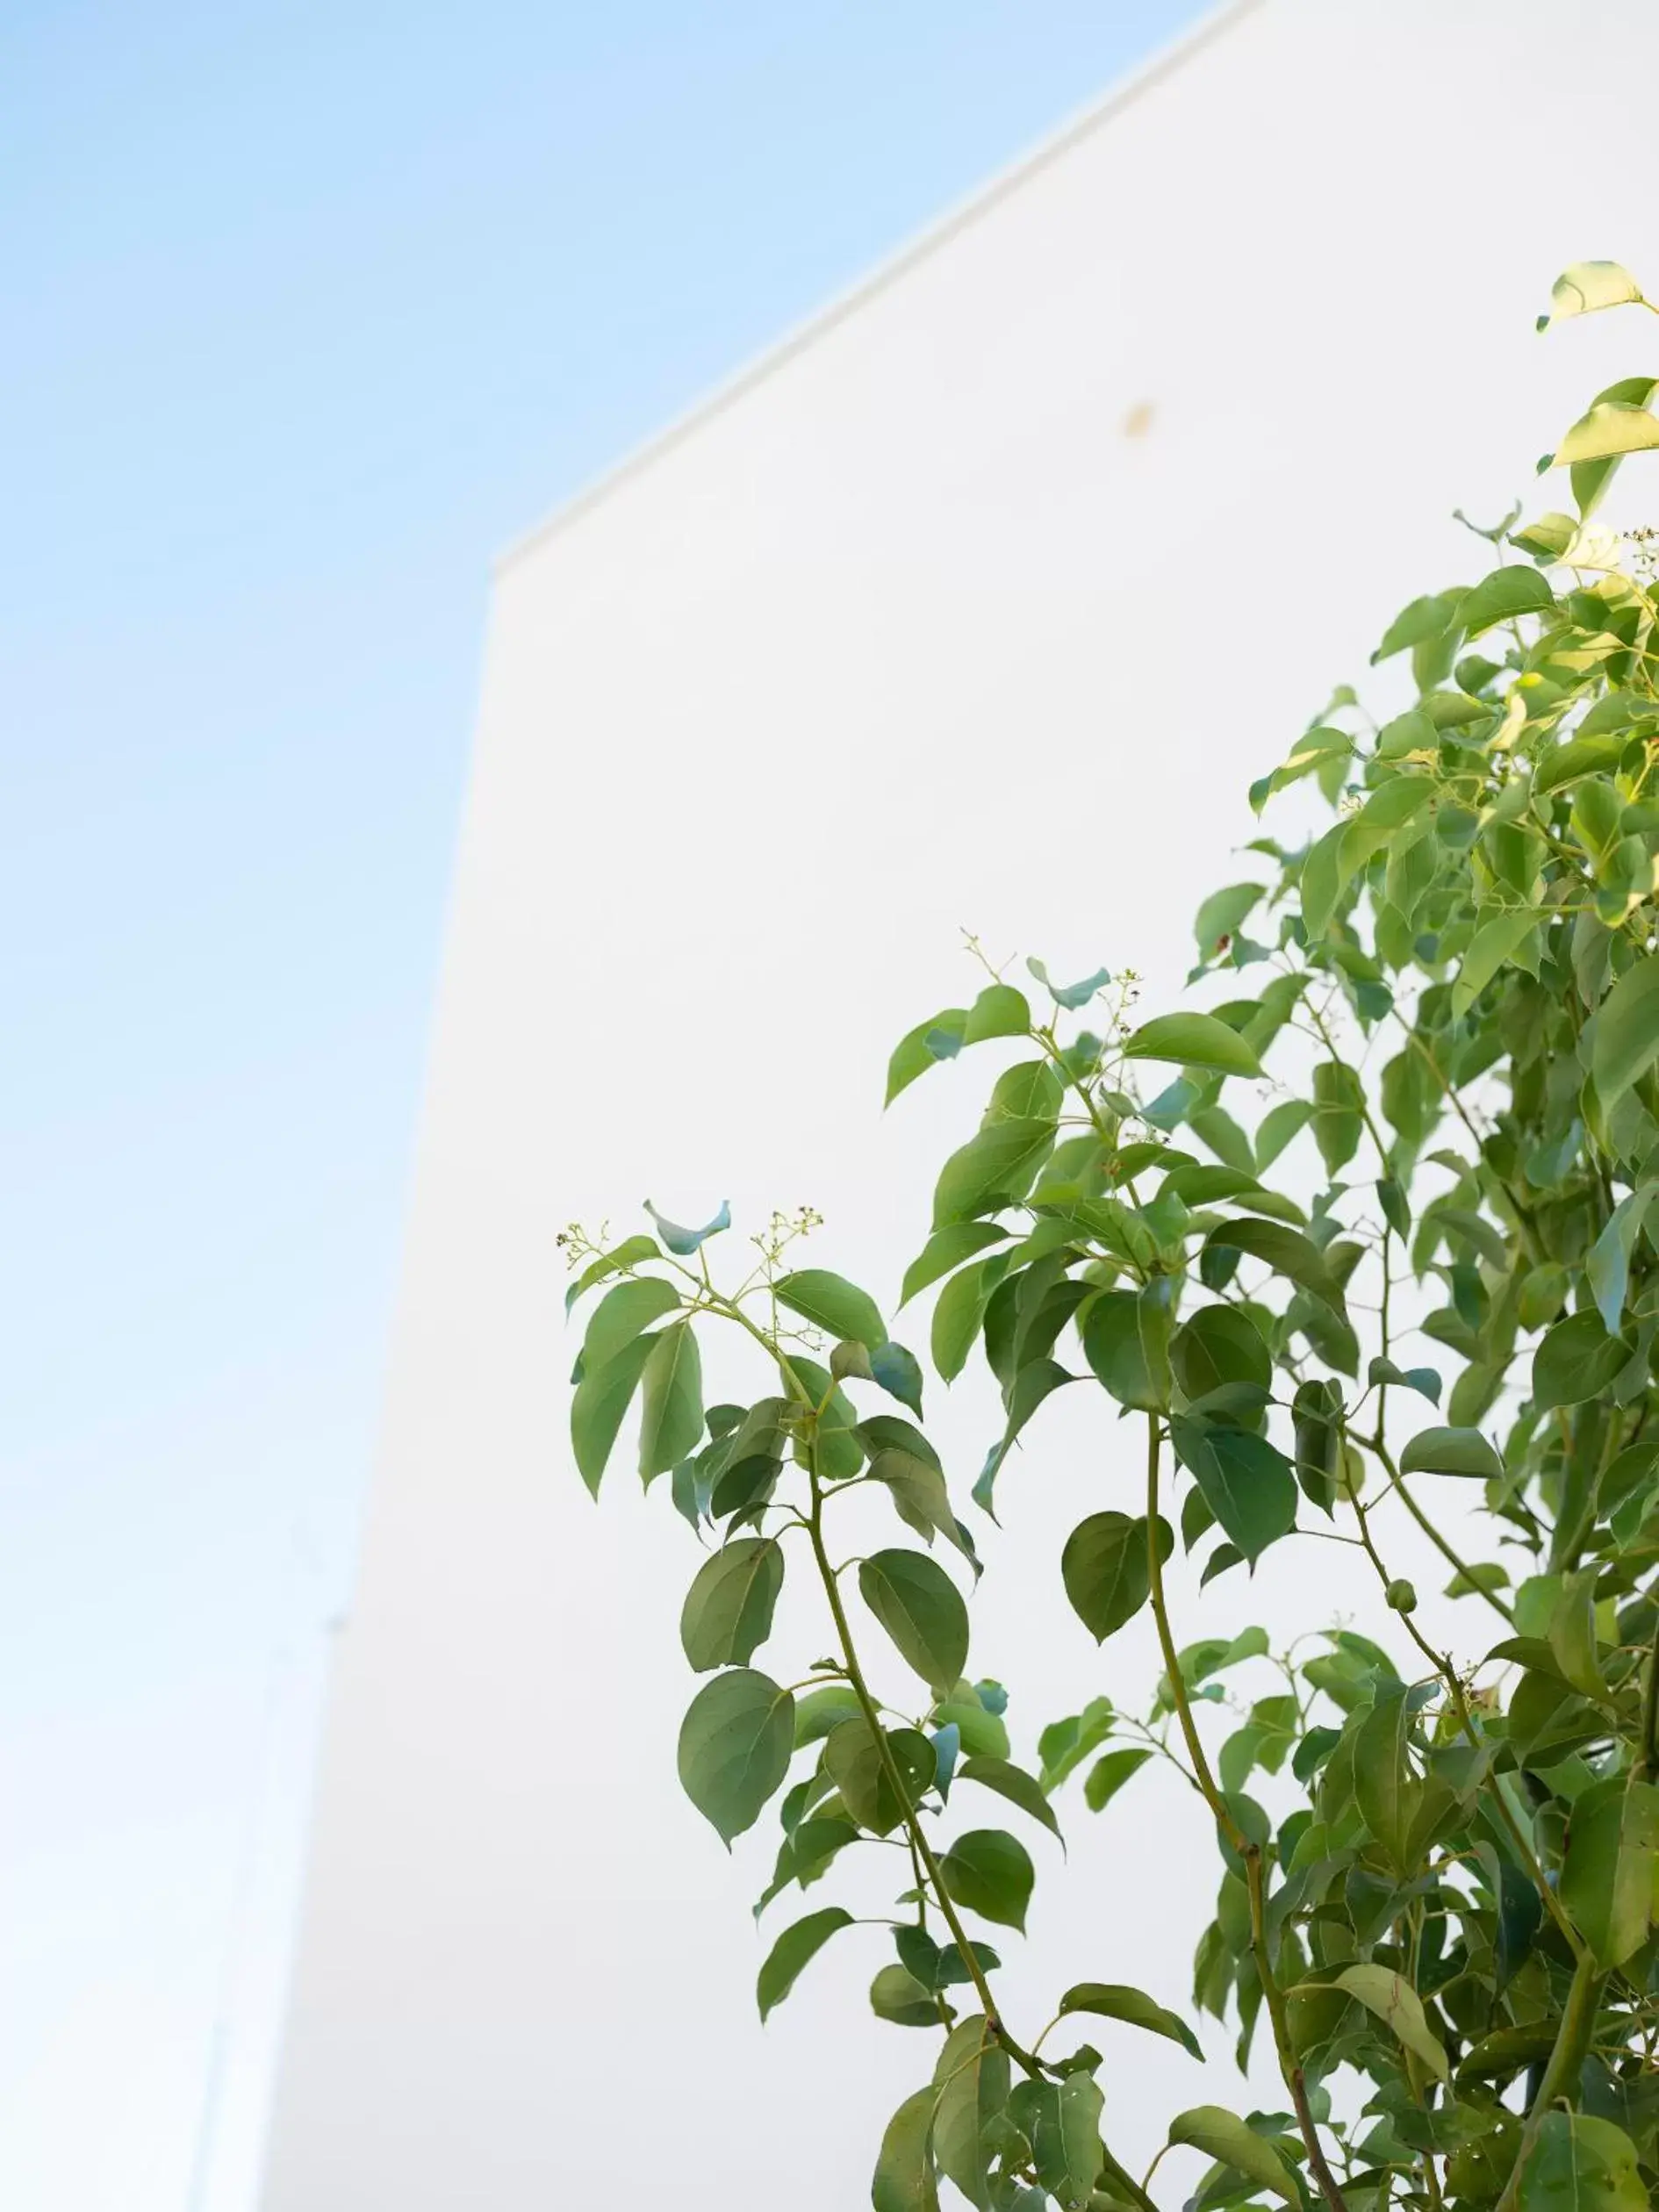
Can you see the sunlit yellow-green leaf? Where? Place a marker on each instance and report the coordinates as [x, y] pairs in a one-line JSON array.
[[1589, 285]]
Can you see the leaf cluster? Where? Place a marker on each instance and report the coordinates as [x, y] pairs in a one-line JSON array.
[[1362, 1251]]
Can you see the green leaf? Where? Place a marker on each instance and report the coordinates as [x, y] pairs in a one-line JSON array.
[[1000, 1010], [1287, 1252], [972, 2076], [1578, 2163], [898, 1372], [684, 1242], [1117, 1352], [793, 1950], [808, 1850], [951, 1969], [1205, 1185], [831, 1303], [1214, 1127], [602, 1399], [728, 1611], [960, 1312], [1509, 2051], [1109, 1774], [1193, 1040], [1081, 2101], [1450, 1451], [895, 1994], [852, 1759], [1462, 1225], [1546, 538], [1608, 1268], [945, 1251], [903, 1460], [1591, 477], [1580, 756], [1338, 1101], [1222, 2135], [1219, 1345], [1278, 1124], [1221, 914], [1323, 880], [1398, 2006], [1611, 429], [1012, 1783], [1117, 2001], [1317, 749], [1571, 1630], [1064, 1745], [1485, 1575], [904, 2179], [629, 1254], [1385, 1787], [1587, 286], [989, 1871], [1424, 619], [1627, 1031], [735, 1745], [1493, 944], [670, 1400], [1037, 1380], [1502, 596], [1029, 1091], [1542, 1294], [1337, 857], [821, 1710], [1423, 1380], [1575, 1360], [624, 1313], [1247, 1482], [1607, 1877], [1118, 1228], [1318, 1440], [921, 1609], [1072, 996], [995, 1168], [1214, 1654], [1106, 1569], [924, 1048], [1060, 2120], [743, 1466], [851, 1358]]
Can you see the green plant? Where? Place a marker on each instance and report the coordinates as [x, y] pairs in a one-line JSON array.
[[1446, 1928]]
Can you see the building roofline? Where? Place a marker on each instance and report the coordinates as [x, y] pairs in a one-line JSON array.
[[938, 233]]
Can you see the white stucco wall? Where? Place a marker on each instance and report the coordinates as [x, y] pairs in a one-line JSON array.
[[905, 632]]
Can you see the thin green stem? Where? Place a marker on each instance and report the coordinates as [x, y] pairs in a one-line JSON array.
[[1524, 1213], [1248, 1852], [922, 1849], [1396, 1482], [1442, 1665], [1572, 2043], [918, 1836], [1126, 2182], [1571, 1534], [1328, 1042], [1645, 1750]]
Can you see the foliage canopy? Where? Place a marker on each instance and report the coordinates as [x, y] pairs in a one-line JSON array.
[[1449, 1001]]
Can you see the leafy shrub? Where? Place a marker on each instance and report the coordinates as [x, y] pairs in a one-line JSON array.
[[1456, 986]]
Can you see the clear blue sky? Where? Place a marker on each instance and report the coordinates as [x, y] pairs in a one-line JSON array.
[[310, 310]]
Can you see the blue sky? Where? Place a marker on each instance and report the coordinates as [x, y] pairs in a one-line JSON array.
[[311, 310]]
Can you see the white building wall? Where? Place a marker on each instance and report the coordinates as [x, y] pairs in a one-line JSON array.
[[910, 630]]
